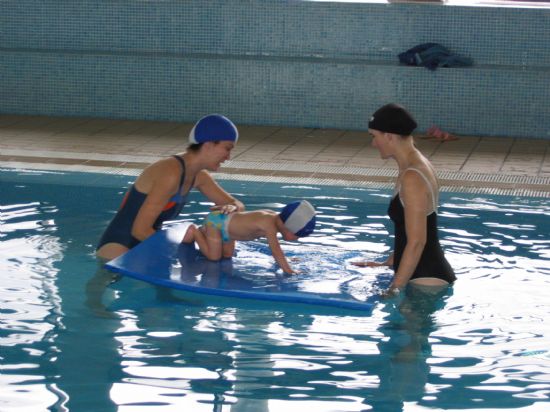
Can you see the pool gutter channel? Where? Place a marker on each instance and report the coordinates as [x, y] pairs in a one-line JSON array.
[[292, 172]]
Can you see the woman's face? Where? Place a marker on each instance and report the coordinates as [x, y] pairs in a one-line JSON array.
[[219, 152], [380, 141]]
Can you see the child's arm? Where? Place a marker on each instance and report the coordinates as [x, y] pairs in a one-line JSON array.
[[278, 253]]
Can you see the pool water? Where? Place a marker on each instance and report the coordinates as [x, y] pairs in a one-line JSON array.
[[73, 337]]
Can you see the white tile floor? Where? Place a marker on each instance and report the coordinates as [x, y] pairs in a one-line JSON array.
[[518, 164]]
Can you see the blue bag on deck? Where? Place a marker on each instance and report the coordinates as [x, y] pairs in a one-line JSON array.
[[432, 56]]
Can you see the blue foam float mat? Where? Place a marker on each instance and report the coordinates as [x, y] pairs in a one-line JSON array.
[[163, 260]]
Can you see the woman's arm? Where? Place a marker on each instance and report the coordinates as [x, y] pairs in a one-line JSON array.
[[369, 263], [161, 190], [226, 203]]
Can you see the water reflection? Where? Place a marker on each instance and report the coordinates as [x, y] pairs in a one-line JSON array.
[[258, 360], [406, 348], [30, 304], [217, 354], [483, 342]]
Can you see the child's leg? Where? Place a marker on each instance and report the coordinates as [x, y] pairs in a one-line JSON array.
[[189, 236], [197, 235], [228, 248], [209, 240], [207, 243]]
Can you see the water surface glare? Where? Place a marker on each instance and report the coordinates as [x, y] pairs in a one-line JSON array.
[[74, 337]]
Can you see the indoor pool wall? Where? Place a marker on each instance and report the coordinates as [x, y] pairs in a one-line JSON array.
[[288, 63]]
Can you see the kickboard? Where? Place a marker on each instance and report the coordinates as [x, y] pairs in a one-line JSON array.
[[163, 260]]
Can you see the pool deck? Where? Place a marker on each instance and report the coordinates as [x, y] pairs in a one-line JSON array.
[[326, 156]]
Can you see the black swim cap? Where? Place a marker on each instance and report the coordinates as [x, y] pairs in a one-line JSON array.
[[393, 118]]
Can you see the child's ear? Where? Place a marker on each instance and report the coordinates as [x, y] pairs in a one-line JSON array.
[[289, 236]]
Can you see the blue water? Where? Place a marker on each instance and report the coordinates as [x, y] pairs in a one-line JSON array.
[[73, 338]]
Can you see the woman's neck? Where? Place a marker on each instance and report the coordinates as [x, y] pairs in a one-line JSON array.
[[407, 154], [192, 164]]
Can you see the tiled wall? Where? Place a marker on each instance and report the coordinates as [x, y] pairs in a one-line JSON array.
[[291, 63]]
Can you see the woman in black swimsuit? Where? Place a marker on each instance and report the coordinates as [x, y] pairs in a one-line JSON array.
[[160, 191], [417, 256]]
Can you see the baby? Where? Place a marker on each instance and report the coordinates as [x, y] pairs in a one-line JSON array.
[[216, 237]]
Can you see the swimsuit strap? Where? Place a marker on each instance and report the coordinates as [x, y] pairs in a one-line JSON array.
[[434, 200], [182, 178]]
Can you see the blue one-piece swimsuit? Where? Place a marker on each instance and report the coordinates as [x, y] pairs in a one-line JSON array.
[[120, 228]]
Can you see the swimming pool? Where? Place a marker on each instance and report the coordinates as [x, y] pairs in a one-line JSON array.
[[70, 341]]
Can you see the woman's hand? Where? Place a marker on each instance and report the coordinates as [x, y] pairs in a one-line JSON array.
[[366, 263], [391, 292], [225, 209]]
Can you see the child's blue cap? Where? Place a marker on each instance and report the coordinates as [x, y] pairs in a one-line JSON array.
[[213, 128], [299, 218]]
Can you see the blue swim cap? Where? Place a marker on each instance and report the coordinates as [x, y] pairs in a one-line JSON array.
[[213, 128], [299, 218]]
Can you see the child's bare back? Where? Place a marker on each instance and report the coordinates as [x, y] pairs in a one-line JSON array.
[[252, 225], [216, 237]]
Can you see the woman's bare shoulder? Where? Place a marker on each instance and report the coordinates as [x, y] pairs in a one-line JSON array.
[[164, 172]]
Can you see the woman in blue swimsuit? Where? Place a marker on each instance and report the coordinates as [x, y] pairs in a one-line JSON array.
[[417, 256], [160, 191]]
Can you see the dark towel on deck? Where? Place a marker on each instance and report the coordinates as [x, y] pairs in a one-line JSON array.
[[432, 56]]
